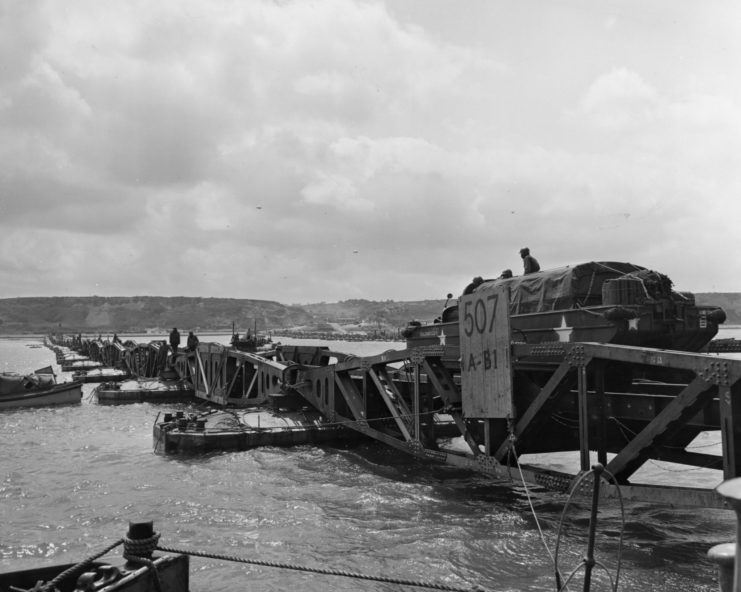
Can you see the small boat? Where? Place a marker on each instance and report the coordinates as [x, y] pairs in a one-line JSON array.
[[225, 430], [37, 389], [252, 340]]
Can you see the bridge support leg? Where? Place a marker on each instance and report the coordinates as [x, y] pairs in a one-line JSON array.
[[417, 408], [600, 410], [583, 418], [729, 398]]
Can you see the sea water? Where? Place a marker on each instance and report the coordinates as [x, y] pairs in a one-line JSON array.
[[72, 477]]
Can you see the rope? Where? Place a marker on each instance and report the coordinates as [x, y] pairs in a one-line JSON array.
[[589, 290], [318, 570], [610, 479], [532, 510], [140, 551], [75, 568], [140, 547]]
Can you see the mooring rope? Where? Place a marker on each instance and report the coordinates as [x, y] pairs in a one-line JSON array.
[[323, 571], [609, 477], [139, 551], [532, 509]]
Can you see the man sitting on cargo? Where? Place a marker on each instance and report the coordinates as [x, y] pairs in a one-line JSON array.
[[475, 283], [529, 262]]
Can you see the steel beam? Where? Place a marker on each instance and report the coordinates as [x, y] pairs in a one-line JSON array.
[[636, 452]]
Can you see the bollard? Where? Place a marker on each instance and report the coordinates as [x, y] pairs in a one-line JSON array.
[[730, 491], [723, 556], [141, 531]]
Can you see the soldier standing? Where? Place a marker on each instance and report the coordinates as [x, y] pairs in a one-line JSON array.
[[174, 340]]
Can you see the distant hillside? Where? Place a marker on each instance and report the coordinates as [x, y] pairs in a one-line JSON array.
[[388, 312], [397, 314], [139, 313], [728, 301]]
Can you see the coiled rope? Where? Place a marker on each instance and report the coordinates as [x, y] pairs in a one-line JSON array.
[[323, 571], [140, 551]]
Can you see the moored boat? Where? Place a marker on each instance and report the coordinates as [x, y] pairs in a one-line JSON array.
[[225, 430], [37, 389]]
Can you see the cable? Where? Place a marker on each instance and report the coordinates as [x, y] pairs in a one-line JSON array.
[[324, 571]]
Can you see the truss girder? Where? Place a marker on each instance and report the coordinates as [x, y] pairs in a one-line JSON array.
[[392, 398], [352, 396], [442, 381], [660, 429], [546, 396]]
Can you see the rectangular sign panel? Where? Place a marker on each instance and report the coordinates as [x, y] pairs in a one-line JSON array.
[[486, 370]]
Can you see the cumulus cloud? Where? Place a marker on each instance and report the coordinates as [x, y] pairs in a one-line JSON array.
[[305, 151], [619, 99]]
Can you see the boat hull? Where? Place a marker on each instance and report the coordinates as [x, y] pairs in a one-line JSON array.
[[172, 571], [62, 394], [221, 431]]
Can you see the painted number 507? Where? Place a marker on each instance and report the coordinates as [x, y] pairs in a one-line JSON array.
[[479, 315]]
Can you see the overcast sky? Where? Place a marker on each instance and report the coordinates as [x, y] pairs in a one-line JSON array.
[[306, 151]]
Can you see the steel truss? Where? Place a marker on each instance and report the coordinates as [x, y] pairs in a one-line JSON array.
[[564, 395]]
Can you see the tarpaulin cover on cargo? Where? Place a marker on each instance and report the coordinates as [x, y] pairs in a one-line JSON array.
[[561, 288]]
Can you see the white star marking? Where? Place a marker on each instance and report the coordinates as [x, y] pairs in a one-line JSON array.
[[564, 332], [633, 324], [442, 337]]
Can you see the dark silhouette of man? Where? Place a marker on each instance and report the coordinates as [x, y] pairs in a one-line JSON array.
[[475, 283], [192, 342], [174, 340], [529, 262]]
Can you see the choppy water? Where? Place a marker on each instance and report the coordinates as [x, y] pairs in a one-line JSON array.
[[72, 477]]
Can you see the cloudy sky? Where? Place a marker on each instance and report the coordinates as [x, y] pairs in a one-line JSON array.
[[306, 151]]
